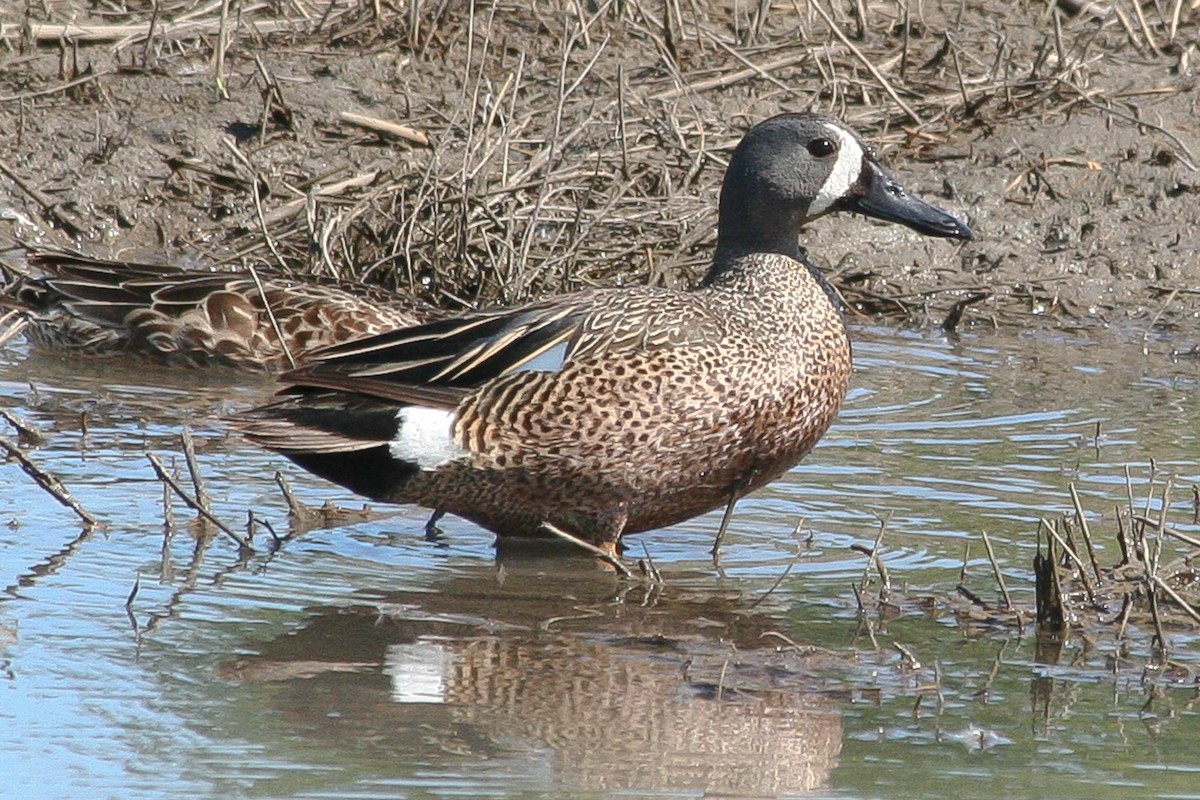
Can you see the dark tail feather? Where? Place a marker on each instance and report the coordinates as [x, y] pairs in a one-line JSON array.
[[372, 473], [340, 437]]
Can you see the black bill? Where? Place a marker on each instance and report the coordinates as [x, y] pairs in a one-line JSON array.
[[880, 195]]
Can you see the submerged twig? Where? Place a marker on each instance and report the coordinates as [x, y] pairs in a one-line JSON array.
[[787, 571], [603, 555], [50, 483], [166, 478], [26, 433]]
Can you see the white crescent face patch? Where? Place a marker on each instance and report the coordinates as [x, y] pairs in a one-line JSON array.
[[845, 173]]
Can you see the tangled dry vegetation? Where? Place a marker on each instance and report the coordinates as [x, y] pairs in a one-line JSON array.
[[497, 151], [1140, 608]]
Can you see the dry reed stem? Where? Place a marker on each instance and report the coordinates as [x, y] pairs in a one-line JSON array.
[[283, 343], [866, 62], [386, 128], [1086, 530], [987, 544], [11, 325], [189, 456], [55, 32], [327, 192], [1167, 529], [62, 87], [1174, 595], [1071, 554]]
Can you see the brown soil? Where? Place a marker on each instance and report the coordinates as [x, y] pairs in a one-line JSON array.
[[583, 143]]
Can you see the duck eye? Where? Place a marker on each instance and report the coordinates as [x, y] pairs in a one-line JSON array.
[[822, 147]]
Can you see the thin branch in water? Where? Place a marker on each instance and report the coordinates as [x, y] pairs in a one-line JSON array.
[[1083, 576], [27, 434], [166, 478], [775, 585], [862, 610], [649, 569], [189, 457], [603, 555], [1167, 529], [987, 544], [1174, 595], [50, 483], [873, 558], [908, 658], [1086, 530], [133, 593]]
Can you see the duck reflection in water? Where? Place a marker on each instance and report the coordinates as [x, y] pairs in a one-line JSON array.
[[619, 687]]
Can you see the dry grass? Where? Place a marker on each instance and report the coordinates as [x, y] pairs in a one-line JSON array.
[[571, 144]]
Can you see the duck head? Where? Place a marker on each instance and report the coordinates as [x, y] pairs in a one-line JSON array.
[[794, 168]]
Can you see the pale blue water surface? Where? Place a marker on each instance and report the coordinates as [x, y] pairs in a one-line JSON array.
[[365, 661]]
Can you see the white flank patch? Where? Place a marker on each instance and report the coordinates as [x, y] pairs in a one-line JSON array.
[[425, 437], [846, 171], [549, 361]]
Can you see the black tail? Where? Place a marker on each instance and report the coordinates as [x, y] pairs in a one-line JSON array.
[[340, 437]]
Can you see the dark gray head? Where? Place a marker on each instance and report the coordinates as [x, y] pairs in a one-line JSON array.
[[796, 167]]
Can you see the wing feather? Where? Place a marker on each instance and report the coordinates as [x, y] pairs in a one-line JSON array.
[[460, 353]]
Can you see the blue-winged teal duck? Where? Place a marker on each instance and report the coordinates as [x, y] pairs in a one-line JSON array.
[[259, 320], [613, 411]]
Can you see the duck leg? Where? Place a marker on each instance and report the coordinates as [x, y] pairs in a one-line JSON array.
[[735, 494], [432, 532]]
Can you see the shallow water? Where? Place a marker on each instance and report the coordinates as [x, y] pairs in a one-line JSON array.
[[365, 661]]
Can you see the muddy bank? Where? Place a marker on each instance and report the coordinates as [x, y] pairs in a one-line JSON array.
[[544, 149]]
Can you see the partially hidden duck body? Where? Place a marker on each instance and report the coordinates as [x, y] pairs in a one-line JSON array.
[[258, 320], [613, 411]]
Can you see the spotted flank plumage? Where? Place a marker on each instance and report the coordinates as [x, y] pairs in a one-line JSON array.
[[259, 320], [612, 411]]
